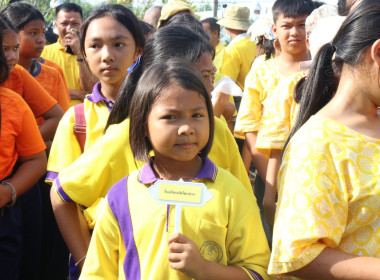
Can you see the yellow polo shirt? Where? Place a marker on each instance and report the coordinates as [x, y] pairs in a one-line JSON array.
[[56, 53], [130, 238], [237, 59], [329, 195]]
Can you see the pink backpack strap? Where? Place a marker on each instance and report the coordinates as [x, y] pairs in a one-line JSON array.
[[80, 126]]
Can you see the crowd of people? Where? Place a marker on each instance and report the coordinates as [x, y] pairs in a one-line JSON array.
[[265, 153]]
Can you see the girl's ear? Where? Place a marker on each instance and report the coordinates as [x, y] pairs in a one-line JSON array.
[[138, 53], [375, 52]]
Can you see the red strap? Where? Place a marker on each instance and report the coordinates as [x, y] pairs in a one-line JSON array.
[[80, 126]]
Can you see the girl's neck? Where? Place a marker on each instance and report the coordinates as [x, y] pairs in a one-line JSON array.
[[110, 91], [351, 106], [25, 63], [175, 170]]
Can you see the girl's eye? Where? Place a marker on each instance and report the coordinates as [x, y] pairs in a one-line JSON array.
[[33, 33], [169, 117], [119, 45], [197, 115], [94, 46]]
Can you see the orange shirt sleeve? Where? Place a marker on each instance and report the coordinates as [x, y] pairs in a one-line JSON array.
[[38, 99], [51, 80], [60, 71], [19, 132]]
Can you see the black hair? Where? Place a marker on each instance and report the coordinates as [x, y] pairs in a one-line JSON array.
[[8, 25], [146, 27], [4, 70], [21, 13], [123, 15], [356, 34], [50, 36], [173, 41], [269, 49], [69, 7], [152, 84], [212, 22], [292, 8], [317, 4], [189, 20]]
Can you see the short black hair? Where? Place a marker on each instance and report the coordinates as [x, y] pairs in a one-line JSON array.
[[212, 22], [146, 27], [152, 84], [69, 7], [291, 8], [21, 13], [4, 70]]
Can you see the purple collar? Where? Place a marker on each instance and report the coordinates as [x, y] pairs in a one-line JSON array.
[[96, 96], [209, 171]]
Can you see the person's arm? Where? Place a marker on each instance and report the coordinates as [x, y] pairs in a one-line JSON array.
[[87, 80], [260, 161], [49, 126], [269, 201], [185, 257], [77, 94], [30, 170], [70, 224], [334, 264]]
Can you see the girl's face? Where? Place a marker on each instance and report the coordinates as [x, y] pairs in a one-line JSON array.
[[10, 47], [206, 68], [110, 50], [178, 125], [32, 39]]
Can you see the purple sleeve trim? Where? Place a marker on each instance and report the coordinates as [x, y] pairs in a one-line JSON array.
[[254, 274], [61, 192], [118, 202], [51, 176]]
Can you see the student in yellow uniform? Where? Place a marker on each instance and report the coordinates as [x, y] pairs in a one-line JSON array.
[[110, 159], [327, 222], [109, 57], [289, 27], [240, 53], [112, 42], [172, 112]]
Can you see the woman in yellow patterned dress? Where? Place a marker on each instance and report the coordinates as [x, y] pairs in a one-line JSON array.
[[328, 214]]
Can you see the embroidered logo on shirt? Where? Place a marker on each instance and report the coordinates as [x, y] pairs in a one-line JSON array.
[[211, 251]]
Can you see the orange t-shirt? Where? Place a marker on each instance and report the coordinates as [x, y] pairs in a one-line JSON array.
[[50, 79], [59, 69], [21, 82], [19, 134]]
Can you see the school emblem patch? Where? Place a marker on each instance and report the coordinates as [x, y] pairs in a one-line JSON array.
[[211, 251]]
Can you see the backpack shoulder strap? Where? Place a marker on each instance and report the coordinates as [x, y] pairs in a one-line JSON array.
[[80, 127]]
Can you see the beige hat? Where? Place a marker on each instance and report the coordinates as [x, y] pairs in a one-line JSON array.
[[172, 8], [236, 17]]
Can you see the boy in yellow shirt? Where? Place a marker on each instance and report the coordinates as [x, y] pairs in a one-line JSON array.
[[289, 27]]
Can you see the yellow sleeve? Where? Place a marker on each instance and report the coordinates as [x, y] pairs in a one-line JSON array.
[[245, 229], [65, 148], [249, 115], [103, 256], [95, 172], [312, 207]]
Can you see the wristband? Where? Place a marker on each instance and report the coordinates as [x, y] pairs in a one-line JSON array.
[[13, 191]]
